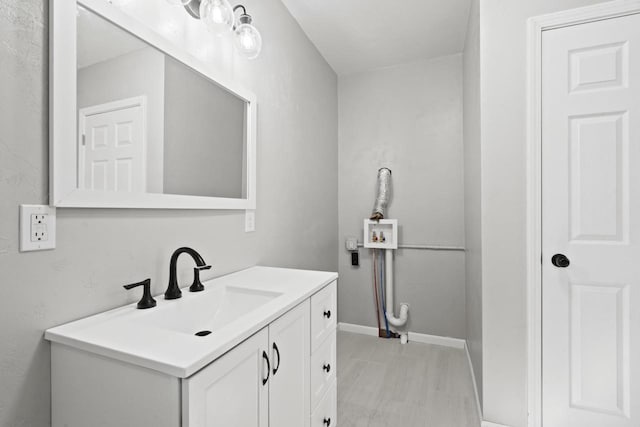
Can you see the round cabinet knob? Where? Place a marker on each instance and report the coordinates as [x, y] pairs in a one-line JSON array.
[[327, 368], [327, 421], [560, 261], [327, 314]]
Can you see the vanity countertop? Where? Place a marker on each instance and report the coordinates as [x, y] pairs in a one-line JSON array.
[[133, 336]]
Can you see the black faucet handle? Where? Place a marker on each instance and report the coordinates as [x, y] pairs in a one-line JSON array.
[[147, 300], [145, 282], [197, 285]]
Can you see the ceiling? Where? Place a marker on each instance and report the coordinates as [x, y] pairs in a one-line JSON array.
[[359, 35], [99, 40]]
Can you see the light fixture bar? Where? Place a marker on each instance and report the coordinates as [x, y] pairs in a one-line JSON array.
[[218, 16]]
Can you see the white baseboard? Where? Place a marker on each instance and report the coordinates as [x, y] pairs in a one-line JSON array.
[[437, 340], [358, 329], [473, 379], [488, 424], [413, 336]]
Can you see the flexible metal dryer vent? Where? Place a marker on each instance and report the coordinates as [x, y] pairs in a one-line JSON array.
[[383, 195]]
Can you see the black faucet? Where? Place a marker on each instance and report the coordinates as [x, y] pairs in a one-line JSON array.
[[173, 291]]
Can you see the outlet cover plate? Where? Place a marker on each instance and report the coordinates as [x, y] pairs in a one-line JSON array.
[[37, 228], [249, 221], [352, 243]]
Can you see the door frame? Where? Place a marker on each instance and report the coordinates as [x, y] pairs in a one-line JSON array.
[[535, 27], [120, 104]]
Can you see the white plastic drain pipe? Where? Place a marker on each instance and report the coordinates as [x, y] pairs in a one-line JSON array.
[[404, 308]]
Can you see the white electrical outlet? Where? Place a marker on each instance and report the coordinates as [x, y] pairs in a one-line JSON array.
[[249, 221], [37, 228], [39, 231]]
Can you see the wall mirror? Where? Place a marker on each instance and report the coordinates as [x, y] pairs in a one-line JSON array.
[[137, 122]]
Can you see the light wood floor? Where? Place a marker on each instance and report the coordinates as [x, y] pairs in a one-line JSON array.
[[382, 383]]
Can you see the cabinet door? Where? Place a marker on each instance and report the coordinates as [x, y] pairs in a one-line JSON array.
[[289, 385], [230, 391]]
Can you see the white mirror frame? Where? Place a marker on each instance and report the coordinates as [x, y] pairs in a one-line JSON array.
[[63, 188]]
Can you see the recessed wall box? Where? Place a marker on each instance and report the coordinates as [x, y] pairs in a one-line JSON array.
[[381, 234]]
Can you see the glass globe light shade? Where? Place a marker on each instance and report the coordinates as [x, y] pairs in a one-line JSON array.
[[217, 15], [179, 2], [247, 40]]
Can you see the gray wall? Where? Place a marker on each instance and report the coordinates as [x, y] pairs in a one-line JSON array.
[[472, 192], [100, 250], [407, 118], [503, 60], [204, 136], [137, 73]]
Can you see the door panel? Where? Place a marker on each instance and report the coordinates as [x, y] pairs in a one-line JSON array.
[[591, 213], [112, 150], [289, 386], [599, 345], [598, 150]]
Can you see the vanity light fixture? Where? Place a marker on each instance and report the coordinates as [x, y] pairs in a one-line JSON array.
[[246, 37], [219, 17]]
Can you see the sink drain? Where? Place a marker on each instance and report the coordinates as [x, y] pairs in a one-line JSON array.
[[203, 333]]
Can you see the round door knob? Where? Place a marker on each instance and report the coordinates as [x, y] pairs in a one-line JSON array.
[[327, 422], [560, 260], [327, 368], [327, 314]]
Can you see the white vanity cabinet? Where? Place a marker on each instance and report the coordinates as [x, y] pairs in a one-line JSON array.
[[278, 373], [262, 382]]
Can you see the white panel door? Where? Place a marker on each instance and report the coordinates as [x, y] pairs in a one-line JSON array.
[[233, 390], [289, 385], [112, 148], [591, 215]]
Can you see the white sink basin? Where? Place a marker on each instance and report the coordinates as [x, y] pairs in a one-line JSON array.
[[213, 308]]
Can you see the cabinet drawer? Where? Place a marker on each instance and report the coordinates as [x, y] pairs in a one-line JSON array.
[[323, 369], [324, 306], [325, 414]]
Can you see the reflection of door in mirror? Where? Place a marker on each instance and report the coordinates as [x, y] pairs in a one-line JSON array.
[[112, 146]]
